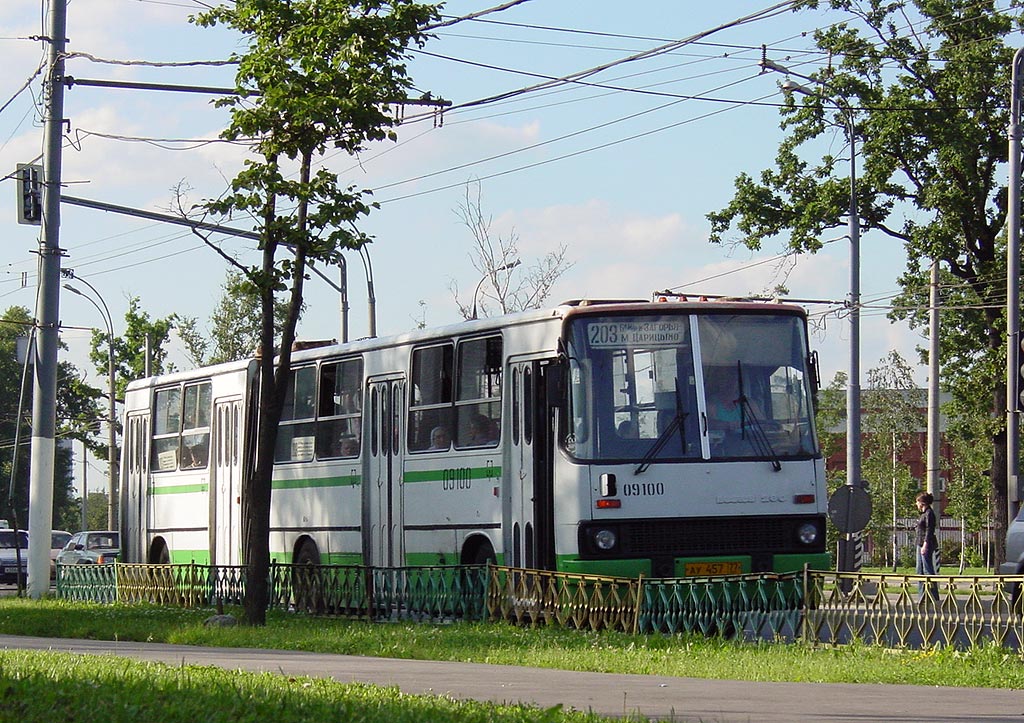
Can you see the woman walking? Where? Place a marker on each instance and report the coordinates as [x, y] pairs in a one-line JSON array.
[[927, 542]]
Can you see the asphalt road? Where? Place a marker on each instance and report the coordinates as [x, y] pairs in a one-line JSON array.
[[656, 697]]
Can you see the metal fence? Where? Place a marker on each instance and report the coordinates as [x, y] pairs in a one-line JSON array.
[[897, 611]]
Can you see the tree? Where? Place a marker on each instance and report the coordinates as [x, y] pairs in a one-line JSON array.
[[77, 415], [234, 324], [141, 335], [926, 82], [892, 405], [314, 74], [504, 281]]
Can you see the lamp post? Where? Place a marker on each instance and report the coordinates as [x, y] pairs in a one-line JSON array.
[[853, 426], [371, 299], [483, 278], [111, 417]]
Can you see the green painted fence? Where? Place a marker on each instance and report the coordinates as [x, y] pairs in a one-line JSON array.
[[820, 607]]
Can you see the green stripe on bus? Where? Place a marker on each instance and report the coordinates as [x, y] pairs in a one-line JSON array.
[[440, 475], [180, 489], [350, 480], [185, 557]]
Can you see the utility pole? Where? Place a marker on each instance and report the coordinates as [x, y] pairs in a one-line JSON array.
[[934, 437], [1013, 337], [47, 316]]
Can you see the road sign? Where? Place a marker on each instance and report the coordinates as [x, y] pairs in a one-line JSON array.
[[849, 508]]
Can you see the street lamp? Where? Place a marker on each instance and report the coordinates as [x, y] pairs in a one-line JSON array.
[[112, 417], [483, 278], [853, 446]]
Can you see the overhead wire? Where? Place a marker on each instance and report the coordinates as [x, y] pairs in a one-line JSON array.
[[567, 136]]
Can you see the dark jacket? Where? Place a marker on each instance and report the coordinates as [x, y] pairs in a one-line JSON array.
[[926, 530]]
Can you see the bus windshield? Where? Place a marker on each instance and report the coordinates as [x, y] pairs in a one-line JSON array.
[[689, 387]]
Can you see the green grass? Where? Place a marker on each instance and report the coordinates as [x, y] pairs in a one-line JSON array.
[[47, 687], [550, 647]]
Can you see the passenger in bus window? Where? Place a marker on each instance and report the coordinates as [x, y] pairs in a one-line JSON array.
[[439, 438], [349, 447], [194, 456], [481, 431]]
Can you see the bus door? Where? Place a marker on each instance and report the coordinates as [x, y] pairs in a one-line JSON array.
[[383, 515], [135, 488], [529, 513], [225, 483]]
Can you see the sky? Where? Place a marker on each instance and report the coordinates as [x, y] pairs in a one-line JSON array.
[[621, 168]]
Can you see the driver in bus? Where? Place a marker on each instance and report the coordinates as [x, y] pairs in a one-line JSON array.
[[728, 412]]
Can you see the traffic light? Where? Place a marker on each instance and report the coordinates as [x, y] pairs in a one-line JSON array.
[[30, 194]]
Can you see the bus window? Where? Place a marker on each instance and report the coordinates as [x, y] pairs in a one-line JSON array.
[[632, 389], [478, 396], [339, 409], [296, 432], [166, 427], [194, 451], [430, 405], [756, 388]]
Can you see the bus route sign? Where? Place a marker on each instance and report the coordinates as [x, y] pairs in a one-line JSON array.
[[627, 333]]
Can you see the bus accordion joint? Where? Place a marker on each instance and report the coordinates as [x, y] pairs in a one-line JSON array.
[[609, 504], [807, 499]]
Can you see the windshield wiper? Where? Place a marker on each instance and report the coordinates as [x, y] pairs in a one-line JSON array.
[[677, 423], [758, 438]]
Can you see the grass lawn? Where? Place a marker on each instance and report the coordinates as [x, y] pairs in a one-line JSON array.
[[42, 687]]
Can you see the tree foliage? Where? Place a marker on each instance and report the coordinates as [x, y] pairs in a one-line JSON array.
[[234, 326], [312, 75], [78, 415], [893, 419], [924, 84]]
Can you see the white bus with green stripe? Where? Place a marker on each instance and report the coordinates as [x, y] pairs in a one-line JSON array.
[[663, 438]]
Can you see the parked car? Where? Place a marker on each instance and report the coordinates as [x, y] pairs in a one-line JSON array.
[[1014, 564], [9, 555], [58, 538], [93, 547]]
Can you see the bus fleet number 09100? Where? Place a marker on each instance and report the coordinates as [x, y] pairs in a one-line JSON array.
[[643, 489], [457, 478]]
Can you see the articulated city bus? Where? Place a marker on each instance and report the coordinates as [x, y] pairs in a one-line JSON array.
[[664, 438]]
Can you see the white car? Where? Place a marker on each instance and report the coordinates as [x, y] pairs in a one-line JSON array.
[[94, 547], [58, 539], [9, 553]]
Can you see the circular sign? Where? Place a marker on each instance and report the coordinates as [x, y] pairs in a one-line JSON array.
[[849, 508]]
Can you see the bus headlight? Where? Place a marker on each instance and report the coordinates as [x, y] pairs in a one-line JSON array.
[[807, 533], [605, 539]]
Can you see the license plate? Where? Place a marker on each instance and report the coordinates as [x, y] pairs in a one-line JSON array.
[[707, 569]]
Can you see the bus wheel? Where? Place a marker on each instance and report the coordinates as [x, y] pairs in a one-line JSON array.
[[307, 579], [158, 553], [483, 554]]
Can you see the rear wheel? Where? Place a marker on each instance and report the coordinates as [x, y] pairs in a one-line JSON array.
[[484, 554], [307, 579]]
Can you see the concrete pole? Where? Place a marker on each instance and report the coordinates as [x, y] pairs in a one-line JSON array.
[[853, 426], [44, 398], [934, 434], [1013, 291]]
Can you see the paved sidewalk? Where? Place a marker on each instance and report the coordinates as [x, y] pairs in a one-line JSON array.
[[657, 697]]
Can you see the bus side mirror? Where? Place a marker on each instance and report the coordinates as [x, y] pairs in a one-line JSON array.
[[554, 384]]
